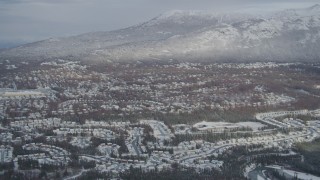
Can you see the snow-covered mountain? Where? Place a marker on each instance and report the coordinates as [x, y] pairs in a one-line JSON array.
[[289, 35]]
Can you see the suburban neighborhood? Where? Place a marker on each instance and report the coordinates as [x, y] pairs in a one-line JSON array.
[[68, 120]]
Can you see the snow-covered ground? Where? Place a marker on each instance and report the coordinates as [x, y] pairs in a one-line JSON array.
[[300, 175], [214, 125], [181, 128], [225, 125], [253, 125], [192, 35], [260, 177], [248, 169]]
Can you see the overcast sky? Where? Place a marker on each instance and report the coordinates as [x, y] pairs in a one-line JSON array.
[[23, 21]]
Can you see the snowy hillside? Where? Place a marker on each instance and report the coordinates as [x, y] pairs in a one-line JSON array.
[[289, 35]]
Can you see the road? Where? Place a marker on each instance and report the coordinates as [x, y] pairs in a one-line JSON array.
[[77, 175]]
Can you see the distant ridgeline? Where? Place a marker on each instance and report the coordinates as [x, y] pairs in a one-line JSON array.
[[289, 35]]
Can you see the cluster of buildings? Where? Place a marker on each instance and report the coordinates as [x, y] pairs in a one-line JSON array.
[[51, 115], [160, 131], [96, 132], [6, 154], [109, 149], [194, 154], [51, 155], [31, 124], [134, 142], [270, 118], [81, 142], [154, 155], [85, 91], [6, 137]]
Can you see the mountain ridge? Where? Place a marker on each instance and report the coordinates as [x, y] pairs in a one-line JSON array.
[[289, 35]]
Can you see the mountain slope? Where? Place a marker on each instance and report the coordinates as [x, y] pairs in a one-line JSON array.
[[290, 35]]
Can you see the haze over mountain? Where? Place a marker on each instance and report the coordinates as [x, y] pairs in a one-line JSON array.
[[289, 35]]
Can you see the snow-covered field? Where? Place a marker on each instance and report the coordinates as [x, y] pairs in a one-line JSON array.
[[214, 125], [225, 125], [253, 125]]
